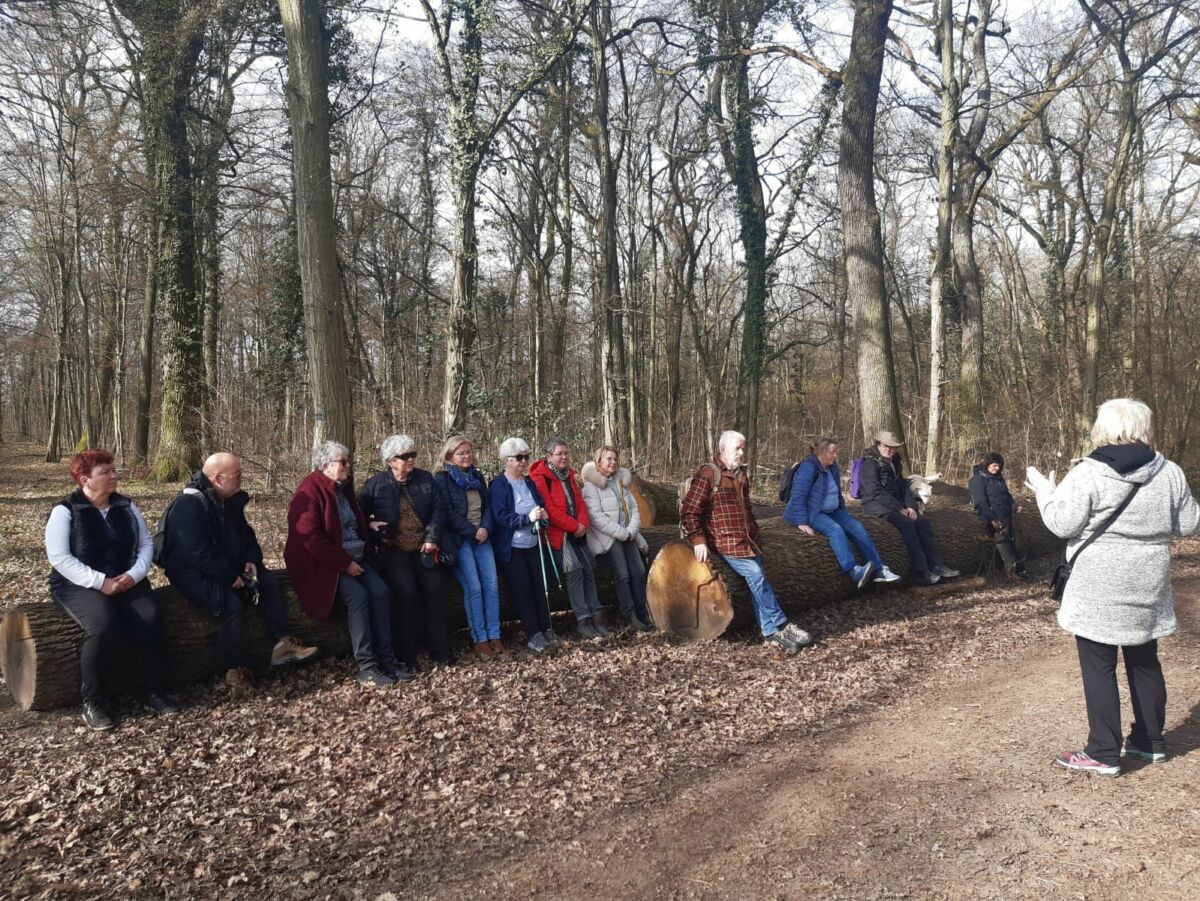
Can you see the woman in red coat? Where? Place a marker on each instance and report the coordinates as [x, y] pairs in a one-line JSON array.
[[555, 480], [325, 556]]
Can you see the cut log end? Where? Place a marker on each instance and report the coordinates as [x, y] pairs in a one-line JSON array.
[[18, 658], [687, 597]]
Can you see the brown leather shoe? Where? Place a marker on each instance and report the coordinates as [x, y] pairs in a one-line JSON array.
[[240, 680], [497, 646], [483, 650]]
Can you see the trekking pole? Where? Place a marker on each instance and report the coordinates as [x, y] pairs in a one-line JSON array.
[[542, 560], [553, 561]]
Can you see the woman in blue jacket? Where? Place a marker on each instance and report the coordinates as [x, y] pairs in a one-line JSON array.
[[816, 505], [517, 509], [469, 523]]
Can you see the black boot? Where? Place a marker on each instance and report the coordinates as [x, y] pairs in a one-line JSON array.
[[97, 717]]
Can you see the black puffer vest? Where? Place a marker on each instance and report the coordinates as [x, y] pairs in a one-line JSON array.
[[106, 544]]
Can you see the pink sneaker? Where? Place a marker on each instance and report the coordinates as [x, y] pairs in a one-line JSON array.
[[1080, 760], [1128, 750]]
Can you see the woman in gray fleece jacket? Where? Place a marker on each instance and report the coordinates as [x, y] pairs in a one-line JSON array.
[[1119, 593]]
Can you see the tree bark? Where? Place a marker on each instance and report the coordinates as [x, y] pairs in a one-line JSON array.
[[861, 226], [324, 327]]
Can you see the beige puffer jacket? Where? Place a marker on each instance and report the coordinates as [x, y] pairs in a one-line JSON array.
[[603, 497]]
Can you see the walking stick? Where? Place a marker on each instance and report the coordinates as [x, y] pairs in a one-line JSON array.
[[542, 560]]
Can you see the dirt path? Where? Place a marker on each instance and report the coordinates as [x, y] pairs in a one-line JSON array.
[[949, 794]]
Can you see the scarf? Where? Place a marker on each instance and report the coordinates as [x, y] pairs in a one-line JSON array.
[[470, 480], [565, 478]]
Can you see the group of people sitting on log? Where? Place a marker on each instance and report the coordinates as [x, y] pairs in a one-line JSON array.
[[382, 552]]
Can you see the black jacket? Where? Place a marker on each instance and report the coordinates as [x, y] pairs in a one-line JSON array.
[[208, 543], [883, 488], [380, 499], [455, 499], [990, 495]]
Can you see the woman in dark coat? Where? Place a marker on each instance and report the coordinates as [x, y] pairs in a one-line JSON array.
[[326, 559], [100, 550], [995, 505], [406, 514], [469, 523]]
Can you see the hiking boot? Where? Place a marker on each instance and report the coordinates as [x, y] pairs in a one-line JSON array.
[[1128, 750], [289, 650], [602, 630], [588, 630], [945, 572], [639, 625], [240, 680], [375, 677], [483, 650], [161, 704], [797, 635], [885, 575], [97, 717], [497, 646], [1081, 760], [398, 671], [537, 642], [860, 574]]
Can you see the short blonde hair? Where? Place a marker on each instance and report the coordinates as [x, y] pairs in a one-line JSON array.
[[1123, 420], [452, 444], [602, 450]]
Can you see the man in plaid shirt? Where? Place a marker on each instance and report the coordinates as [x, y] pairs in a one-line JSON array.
[[720, 515]]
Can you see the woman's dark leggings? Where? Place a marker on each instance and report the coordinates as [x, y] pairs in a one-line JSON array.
[[1147, 693], [418, 600], [523, 573], [105, 620]]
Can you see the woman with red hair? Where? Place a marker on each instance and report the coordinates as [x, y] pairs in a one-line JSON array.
[[100, 550]]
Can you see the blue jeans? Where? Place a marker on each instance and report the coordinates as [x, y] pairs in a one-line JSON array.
[[841, 528], [369, 616], [475, 570], [770, 618]]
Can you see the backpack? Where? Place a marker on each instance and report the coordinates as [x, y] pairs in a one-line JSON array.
[[856, 478], [786, 480], [160, 531], [686, 485]]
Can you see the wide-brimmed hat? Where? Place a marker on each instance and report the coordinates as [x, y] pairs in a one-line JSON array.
[[888, 438]]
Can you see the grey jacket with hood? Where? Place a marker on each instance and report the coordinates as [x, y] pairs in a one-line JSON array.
[[1119, 592]]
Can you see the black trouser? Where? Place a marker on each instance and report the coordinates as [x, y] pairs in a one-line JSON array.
[[523, 573], [417, 599], [923, 553], [230, 644], [105, 619], [1147, 692]]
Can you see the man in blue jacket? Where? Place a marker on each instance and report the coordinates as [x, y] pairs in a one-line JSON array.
[[816, 505]]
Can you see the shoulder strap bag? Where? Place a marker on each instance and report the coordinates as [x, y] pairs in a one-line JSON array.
[[1062, 572]]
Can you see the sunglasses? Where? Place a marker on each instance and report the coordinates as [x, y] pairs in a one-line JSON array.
[[339, 462], [411, 455], [520, 458]]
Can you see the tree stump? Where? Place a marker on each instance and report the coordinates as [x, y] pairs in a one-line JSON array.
[[39, 647], [702, 601]]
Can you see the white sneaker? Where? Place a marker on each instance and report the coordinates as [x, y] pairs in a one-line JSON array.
[[886, 575]]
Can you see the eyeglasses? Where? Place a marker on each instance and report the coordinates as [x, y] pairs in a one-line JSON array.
[[520, 458], [411, 455]]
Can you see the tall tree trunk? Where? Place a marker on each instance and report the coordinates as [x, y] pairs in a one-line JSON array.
[[324, 328], [860, 219]]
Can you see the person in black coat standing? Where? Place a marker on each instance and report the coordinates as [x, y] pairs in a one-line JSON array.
[[406, 514], [885, 493], [211, 554], [995, 505]]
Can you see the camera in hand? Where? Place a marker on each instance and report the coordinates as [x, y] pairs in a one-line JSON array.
[[249, 588]]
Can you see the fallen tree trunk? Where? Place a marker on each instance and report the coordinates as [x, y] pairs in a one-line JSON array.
[[703, 600], [39, 647]]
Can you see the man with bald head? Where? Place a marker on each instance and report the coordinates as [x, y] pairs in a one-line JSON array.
[[212, 556]]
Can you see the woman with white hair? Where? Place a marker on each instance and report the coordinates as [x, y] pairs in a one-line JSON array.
[[517, 509], [326, 560], [1120, 508], [469, 523], [407, 517]]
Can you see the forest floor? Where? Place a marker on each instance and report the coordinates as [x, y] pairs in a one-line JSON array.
[[908, 754]]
